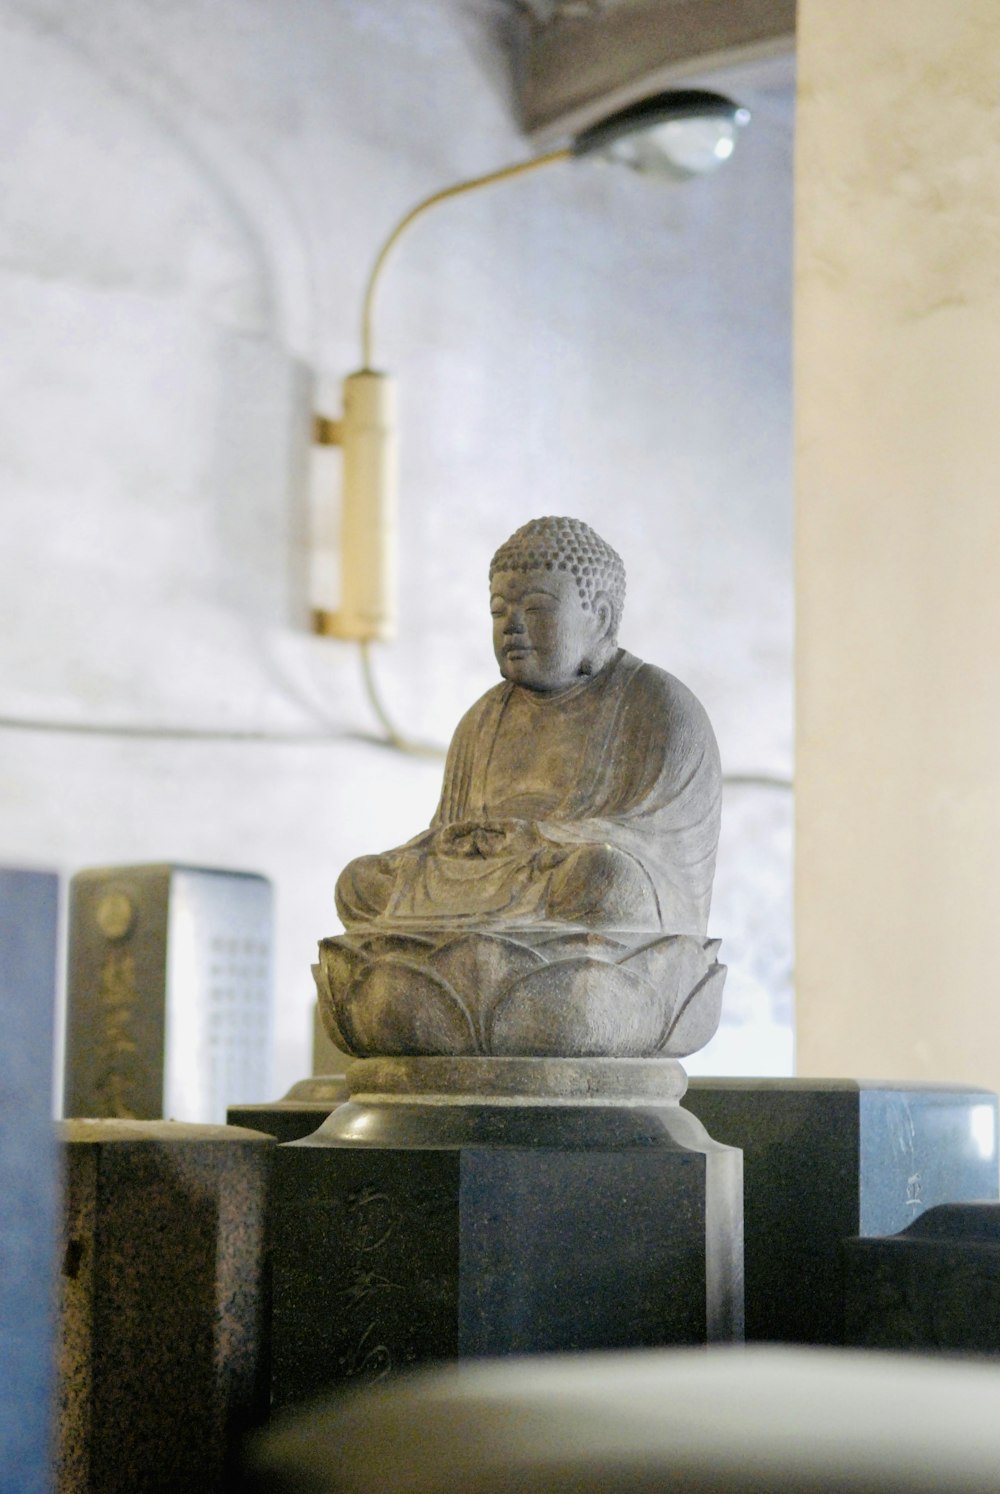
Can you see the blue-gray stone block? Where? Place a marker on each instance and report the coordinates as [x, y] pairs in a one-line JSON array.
[[29, 903], [829, 1159]]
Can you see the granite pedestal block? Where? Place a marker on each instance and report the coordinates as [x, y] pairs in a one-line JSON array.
[[164, 1304], [28, 933], [934, 1286], [299, 1113], [460, 1208], [829, 1159]]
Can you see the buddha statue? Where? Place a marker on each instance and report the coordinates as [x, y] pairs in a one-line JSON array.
[[567, 874]]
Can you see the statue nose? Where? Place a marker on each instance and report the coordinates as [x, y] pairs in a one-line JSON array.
[[515, 624]]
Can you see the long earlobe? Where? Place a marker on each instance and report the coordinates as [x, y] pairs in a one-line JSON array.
[[605, 615]]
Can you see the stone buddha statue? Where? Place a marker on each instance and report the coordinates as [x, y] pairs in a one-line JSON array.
[[558, 903]]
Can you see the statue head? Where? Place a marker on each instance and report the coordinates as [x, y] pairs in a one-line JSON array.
[[556, 595]]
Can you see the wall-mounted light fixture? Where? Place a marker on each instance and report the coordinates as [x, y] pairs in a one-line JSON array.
[[676, 135]]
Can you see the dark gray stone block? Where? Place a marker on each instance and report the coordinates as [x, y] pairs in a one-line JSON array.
[[28, 931], [441, 1227], [299, 1113], [934, 1286], [163, 1328], [829, 1159]]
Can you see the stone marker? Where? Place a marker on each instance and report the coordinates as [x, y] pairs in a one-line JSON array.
[[513, 1172], [164, 1303], [935, 1285], [299, 1113], [169, 999], [828, 1159], [28, 933]]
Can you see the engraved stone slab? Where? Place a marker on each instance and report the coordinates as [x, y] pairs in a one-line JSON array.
[[935, 1285], [168, 1008], [164, 1306], [829, 1159], [28, 936], [470, 1207], [574, 992]]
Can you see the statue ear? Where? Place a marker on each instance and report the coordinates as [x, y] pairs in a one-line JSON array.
[[603, 614]]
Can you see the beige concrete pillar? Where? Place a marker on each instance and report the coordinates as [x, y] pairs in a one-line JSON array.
[[898, 538]]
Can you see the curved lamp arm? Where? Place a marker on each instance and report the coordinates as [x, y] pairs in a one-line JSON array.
[[366, 432], [506, 173]]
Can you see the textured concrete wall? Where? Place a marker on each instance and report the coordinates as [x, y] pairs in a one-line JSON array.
[[192, 195]]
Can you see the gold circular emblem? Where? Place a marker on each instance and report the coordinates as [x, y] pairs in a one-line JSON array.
[[115, 914]]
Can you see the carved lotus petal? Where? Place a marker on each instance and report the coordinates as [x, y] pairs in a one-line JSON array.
[[586, 942], [654, 960], [341, 963], [414, 947], [482, 966], [326, 1007], [578, 1008], [696, 1021], [395, 1007]]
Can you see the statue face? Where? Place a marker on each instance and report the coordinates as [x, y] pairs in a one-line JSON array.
[[541, 633]]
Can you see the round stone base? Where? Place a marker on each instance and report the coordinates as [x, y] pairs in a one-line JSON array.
[[520, 1081], [513, 1102]]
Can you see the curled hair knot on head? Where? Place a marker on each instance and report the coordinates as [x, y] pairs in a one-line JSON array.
[[566, 545]]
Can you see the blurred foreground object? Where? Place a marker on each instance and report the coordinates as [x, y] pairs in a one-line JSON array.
[[169, 999], [723, 1421], [29, 902]]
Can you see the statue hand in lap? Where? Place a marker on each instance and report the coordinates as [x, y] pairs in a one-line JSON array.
[[485, 838], [585, 789]]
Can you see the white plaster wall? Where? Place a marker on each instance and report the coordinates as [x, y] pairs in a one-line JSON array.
[[191, 197]]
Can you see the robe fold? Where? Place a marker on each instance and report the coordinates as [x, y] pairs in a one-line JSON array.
[[626, 760]]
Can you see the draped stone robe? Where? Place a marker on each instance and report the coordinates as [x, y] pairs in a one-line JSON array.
[[625, 760]]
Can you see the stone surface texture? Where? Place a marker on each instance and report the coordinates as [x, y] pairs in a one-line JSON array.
[[29, 912], [163, 1324], [480, 1207], [579, 816], [826, 1160], [934, 1286]]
